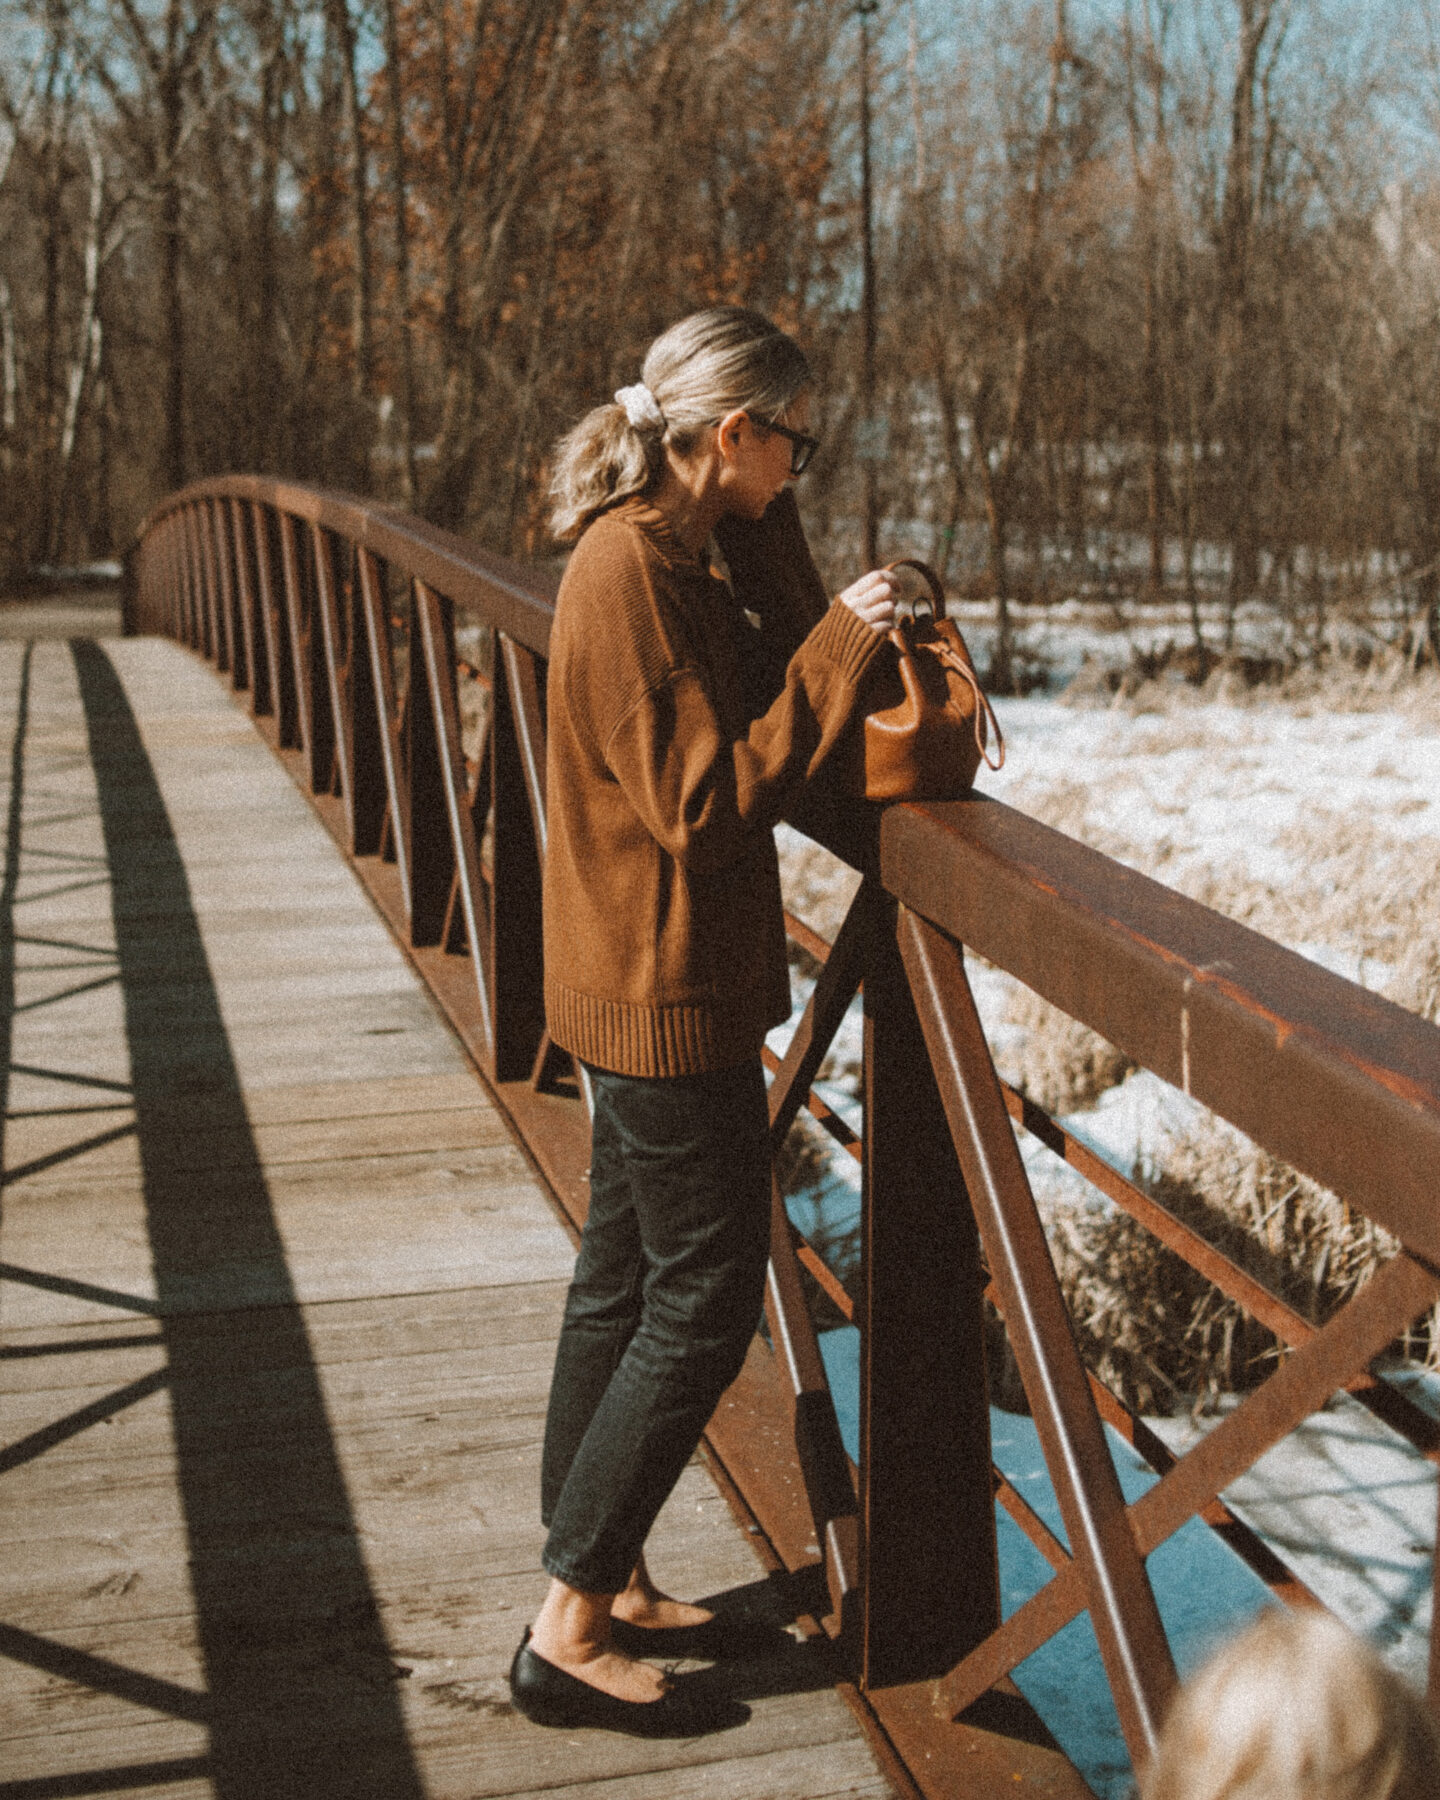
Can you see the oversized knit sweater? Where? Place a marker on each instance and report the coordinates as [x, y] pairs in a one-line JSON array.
[[664, 935]]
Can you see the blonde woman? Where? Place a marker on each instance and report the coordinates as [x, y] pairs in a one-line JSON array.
[[1296, 1708], [684, 717]]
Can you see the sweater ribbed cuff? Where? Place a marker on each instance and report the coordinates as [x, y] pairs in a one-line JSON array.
[[842, 637]]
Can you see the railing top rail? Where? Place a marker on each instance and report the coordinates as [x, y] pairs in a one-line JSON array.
[[517, 598], [1340, 1083]]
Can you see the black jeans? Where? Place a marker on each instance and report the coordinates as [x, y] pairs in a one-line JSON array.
[[665, 1299]]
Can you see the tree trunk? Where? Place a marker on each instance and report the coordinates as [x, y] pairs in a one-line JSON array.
[[265, 384], [399, 194], [954, 463], [9, 377], [85, 361], [1002, 673], [1239, 346], [361, 300], [1030, 298], [100, 535], [1155, 472], [50, 156], [172, 303], [1150, 161]]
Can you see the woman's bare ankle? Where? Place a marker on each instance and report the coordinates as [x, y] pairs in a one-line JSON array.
[[572, 1631], [640, 1602], [572, 1627]]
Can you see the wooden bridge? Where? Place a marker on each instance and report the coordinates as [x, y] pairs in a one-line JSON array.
[[289, 1166]]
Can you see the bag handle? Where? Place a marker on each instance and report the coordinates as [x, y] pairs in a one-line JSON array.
[[984, 711], [932, 581]]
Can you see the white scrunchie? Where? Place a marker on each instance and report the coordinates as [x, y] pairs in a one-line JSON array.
[[641, 406]]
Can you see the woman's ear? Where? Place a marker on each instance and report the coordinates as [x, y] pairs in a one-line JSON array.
[[728, 431]]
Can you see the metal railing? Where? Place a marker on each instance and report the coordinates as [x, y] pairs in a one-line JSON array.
[[337, 618]]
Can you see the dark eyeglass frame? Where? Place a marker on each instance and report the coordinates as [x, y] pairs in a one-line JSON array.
[[802, 446]]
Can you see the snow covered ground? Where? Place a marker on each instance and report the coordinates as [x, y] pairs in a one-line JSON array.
[[1213, 786], [1315, 819]]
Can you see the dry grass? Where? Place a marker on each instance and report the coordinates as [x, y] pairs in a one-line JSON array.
[[1154, 1328], [1059, 1063], [1385, 683]]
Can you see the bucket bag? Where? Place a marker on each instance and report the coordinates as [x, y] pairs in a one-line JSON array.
[[928, 725]]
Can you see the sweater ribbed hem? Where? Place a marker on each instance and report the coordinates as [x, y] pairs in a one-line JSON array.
[[684, 1039]]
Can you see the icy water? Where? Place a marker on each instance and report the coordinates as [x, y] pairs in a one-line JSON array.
[[1203, 1589]]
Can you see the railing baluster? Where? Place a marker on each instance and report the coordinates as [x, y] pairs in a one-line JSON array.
[[191, 604], [363, 737], [327, 604], [179, 577], [209, 585], [170, 559], [298, 627], [223, 542], [824, 1466], [437, 654], [193, 630], [430, 851], [220, 644], [257, 662], [274, 618], [523, 682], [381, 662], [1122, 1606], [517, 817], [835, 987]]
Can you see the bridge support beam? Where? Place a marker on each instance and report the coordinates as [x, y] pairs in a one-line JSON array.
[[931, 1585]]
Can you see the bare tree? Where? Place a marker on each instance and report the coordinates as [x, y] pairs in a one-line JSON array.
[[152, 97]]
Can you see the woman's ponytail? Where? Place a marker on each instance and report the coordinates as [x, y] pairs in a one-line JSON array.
[[604, 459]]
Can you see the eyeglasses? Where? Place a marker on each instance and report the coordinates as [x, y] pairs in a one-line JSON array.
[[802, 448]]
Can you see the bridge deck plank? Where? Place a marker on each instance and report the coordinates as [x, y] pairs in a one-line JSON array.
[[273, 1363]]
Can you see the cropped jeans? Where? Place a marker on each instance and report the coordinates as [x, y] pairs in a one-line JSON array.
[[665, 1299]]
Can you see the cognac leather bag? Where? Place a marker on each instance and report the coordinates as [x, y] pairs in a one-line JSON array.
[[928, 726]]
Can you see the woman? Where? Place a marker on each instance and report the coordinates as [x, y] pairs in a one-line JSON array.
[[679, 731]]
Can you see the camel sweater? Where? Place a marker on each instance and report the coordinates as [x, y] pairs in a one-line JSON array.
[[664, 935]]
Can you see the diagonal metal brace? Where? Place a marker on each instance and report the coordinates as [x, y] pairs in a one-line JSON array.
[[1133, 1646]]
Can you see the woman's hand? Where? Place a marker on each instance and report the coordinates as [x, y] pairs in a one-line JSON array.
[[872, 598]]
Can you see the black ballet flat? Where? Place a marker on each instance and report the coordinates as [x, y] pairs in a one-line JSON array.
[[723, 1636], [547, 1695]]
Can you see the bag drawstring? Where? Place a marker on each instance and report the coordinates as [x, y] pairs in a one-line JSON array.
[[983, 709]]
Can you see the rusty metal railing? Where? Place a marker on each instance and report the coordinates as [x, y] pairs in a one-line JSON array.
[[337, 619]]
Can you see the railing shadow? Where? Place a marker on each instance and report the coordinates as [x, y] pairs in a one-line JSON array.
[[301, 1693]]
